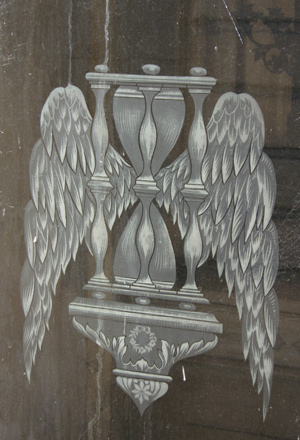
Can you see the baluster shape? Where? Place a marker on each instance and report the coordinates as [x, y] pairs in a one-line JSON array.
[[148, 135], [194, 191], [99, 184], [146, 189]]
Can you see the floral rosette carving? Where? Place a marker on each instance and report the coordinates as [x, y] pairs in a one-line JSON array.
[[142, 339]]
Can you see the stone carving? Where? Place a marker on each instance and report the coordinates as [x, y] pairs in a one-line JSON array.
[[220, 191]]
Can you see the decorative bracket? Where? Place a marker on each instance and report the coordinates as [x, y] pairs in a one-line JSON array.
[[145, 341]]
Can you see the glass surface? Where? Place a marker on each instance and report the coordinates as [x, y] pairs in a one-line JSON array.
[[249, 46]]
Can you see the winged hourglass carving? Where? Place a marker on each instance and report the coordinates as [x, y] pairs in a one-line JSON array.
[[220, 192]]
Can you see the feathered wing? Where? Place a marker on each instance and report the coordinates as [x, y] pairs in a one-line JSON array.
[[61, 211], [236, 226], [235, 222]]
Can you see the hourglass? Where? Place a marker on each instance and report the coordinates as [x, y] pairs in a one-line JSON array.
[[138, 316]]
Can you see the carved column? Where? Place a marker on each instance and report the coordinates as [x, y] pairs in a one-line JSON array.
[[194, 191], [146, 189], [99, 183]]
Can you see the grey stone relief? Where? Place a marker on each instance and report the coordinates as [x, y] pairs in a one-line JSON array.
[[220, 192]]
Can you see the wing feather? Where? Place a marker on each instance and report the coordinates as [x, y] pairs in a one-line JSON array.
[[241, 198], [122, 177], [223, 205], [170, 181], [240, 208], [217, 163], [61, 211], [253, 200], [271, 316]]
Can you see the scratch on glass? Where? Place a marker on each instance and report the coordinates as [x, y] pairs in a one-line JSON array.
[[183, 374], [106, 33], [232, 19], [70, 42], [98, 402]]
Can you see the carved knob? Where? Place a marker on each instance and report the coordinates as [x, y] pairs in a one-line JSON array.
[[151, 69], [102, 68], [198, 71]]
